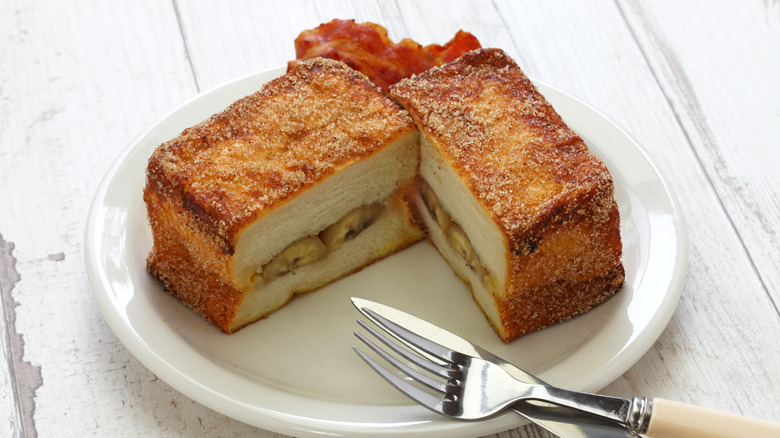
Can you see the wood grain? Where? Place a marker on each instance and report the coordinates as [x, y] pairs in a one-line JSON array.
[[19, 378], [695, 83], [719, 97]]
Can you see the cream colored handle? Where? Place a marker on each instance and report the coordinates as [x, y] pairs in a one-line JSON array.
[[678, 420]]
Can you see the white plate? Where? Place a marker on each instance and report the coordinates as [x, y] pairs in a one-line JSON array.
[[295, 373]]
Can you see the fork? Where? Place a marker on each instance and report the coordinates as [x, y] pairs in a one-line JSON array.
[[467, 387]]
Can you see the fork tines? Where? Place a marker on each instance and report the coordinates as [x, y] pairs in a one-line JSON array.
[[434, 361]]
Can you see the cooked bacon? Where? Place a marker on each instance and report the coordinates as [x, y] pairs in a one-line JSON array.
[[366, 48], [461, 43]]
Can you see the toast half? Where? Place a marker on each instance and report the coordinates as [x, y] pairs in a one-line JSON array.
[[286, 190], [512, 198]]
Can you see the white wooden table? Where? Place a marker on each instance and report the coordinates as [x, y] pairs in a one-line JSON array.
[[696, 83]]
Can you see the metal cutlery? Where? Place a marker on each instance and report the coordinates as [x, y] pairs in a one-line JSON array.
[[456, 378]]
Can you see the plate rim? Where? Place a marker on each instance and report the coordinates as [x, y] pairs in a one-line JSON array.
[[279, 421]]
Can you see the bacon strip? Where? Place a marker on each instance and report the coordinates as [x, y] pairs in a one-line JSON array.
[[366, 48]]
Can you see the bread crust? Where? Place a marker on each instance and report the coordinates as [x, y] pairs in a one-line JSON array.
[[263, 149], [207, 184], [536, 179]]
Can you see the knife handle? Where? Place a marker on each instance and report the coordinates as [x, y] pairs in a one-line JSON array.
[[673, 419]]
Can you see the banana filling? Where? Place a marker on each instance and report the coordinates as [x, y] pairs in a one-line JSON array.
[[313, 248], [455, 236]]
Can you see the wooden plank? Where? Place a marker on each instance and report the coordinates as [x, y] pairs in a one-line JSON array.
[[78, 81], [725, 99], [437, 21], [261, 35], [722, 94], [266, 39], [16, 393]]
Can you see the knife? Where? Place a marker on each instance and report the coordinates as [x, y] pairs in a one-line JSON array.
[[623, 418]]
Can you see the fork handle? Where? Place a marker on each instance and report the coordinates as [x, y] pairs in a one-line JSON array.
[[669, 419]]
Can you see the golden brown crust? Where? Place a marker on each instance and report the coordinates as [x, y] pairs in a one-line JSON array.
[[477, 107], [575, 267], [205, 185], [182, 261], [556, 302], [533, 175], [268, 146]]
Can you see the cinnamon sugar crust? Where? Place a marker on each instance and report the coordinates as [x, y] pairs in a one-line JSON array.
[[206, 185], [505, 140], [266, 147], [535, 178]]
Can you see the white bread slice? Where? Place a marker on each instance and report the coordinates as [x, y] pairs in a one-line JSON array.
[[230, 197], [374, 180], [459, 206]]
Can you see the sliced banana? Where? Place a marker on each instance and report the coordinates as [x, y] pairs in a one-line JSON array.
[[434, 207], [349, 226], [490, 282], [313, 248], [461, 244], [299, 253]]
